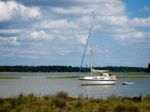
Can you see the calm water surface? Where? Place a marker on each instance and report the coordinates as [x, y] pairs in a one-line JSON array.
[[38, 84]]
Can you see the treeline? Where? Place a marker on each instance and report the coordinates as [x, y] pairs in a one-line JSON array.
[[123, 69], [38, 69], [67, 69], [148, 69]]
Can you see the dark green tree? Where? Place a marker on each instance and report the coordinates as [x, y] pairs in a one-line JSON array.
[[148, 69]]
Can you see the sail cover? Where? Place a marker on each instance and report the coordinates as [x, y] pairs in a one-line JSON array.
[[100, 72]]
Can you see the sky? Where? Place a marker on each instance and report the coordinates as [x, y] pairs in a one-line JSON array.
[[54, 32]]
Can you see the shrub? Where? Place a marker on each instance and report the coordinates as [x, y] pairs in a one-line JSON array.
[[79, 104], [62, 94], [146, 98], [126, 108], [103, 108], [138, 98], [58, 102]]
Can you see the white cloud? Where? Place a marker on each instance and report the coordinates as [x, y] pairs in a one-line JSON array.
[[146, 9], [29, 53], [38, 35], [62, 51], [63, 30], [9, 41], [12, 10], [76, 10], [132, 36], [57, 24], [114, 20], [141, 22], [10, 31]]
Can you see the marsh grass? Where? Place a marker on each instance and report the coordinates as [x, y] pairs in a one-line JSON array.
[[133, 76], [62, 102], [59, 77], [10, 77]]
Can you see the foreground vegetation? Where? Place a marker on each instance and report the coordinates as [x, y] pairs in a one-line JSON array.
[[61, 102]]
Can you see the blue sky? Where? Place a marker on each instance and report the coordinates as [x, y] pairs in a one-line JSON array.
[[54, 32]]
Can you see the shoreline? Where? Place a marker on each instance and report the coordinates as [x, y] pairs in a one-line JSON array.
[[73, 77], [118, 76]]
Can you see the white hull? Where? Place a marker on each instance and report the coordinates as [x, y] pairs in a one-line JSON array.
[[97, 82]]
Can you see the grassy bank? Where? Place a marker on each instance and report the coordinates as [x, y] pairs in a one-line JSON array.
[[55, 77], [62, 102], [10, 77]]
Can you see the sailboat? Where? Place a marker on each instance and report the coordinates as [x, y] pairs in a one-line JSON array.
[[97, 77]]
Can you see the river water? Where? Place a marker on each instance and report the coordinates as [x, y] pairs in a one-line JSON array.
[[38, 84]]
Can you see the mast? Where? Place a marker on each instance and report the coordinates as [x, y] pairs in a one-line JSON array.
[[90, 33], [91, 61], [91, 51]]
